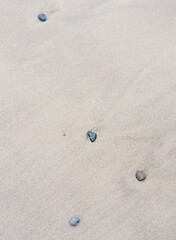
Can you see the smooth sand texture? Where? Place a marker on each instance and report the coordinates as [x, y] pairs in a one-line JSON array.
[[105, 66]]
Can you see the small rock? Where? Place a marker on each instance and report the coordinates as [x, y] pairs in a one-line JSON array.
[[74, 221], [92, 136], [64, 135], [140, 175], [42, 17]]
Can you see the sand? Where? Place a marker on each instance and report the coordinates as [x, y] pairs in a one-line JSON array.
[[105, 66]]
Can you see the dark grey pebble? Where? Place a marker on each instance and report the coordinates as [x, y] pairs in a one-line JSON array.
[[64, 134], [74, 221], [42, 17], [140, 175], [92, 136]]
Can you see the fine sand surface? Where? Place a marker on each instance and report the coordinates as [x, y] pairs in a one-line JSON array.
[[102, 65]]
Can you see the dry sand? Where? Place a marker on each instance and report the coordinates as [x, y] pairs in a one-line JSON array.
[[107, 66]]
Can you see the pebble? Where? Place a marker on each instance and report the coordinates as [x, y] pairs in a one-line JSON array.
[[74, 221], [140, 175], [92, 136], [42, 17]]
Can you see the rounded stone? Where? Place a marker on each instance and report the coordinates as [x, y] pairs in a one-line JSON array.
[[140, 175], [92, 136], [42, 17], [74, 221]]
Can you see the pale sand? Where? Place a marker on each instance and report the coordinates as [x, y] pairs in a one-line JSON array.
[[106, 66]]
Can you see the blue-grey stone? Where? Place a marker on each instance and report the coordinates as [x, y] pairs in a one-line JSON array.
[[42, 17], [140, 175], [74, 221], [92, 136]]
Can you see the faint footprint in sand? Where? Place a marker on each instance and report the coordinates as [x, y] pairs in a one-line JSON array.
[[53, 11]]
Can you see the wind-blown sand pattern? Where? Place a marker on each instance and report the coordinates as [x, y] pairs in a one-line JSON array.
[[104, 66]]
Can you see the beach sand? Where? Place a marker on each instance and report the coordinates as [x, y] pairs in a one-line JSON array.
[[106, 66]]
